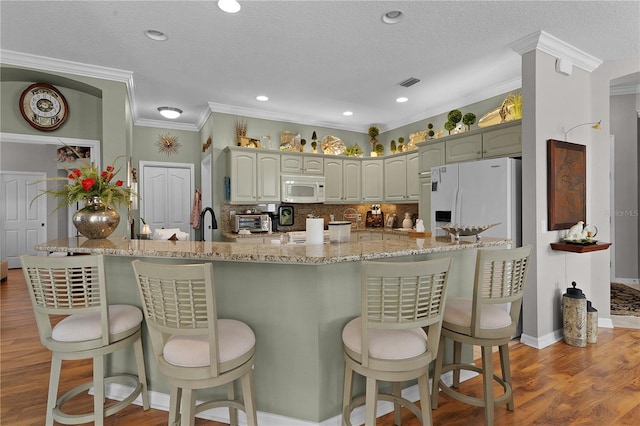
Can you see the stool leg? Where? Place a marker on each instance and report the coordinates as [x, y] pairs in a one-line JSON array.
[[98, 389], [249, 396], [142, 374], [175, 401], [346, 393], [457, 358], [54, 380], [371, 402], [506, 373], [487, 382], [233, 412], [397, 392], [425, 406], [437, 372], [188, 417]]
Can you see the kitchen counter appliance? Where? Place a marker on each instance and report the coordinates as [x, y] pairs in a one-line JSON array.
[[375, 217], [251, 222]]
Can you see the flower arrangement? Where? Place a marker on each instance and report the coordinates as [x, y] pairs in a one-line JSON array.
[[87, 181]]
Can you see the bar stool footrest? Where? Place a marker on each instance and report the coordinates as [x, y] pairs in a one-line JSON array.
[[478, 402]]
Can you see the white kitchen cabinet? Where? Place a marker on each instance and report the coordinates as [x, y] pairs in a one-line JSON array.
[[431, 155], [465, 148], [504, 142], [401, 178], [254, 176], [301, 164], [372, 181], [342, 180]]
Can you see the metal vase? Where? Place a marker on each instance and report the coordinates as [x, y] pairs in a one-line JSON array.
[[96, 220]]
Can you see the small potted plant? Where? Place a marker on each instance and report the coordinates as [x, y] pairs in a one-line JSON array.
[[374, 131], [468, 119], [392, 146]]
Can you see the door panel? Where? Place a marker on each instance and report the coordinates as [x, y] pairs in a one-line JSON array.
[[22, 225]]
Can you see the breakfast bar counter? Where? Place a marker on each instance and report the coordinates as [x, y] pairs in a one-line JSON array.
[[296, 298]]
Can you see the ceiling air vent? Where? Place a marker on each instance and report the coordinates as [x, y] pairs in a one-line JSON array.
[[409, 82]]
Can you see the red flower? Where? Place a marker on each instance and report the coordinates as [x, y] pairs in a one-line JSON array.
[[119, 183], [110, 168], [75, 174], [88, 183], [104, 175]]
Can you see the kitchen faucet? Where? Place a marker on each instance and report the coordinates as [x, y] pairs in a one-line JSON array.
[[214, 223]]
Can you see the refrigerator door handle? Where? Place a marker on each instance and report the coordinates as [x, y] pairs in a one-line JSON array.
[[458, 210]]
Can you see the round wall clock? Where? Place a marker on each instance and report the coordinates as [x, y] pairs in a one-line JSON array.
[[43, 106]]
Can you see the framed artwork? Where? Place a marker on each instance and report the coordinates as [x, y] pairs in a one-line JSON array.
[[285, 215], [566, 184]]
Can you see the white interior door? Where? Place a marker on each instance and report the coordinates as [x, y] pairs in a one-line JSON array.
[[22, 226], [207, 196], [166, 195]]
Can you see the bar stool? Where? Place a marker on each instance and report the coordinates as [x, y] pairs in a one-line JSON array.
[[388, 343], [193, 348], [499, 279], [75, 287]]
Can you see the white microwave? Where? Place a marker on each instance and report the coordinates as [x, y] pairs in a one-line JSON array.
[[302, 189]]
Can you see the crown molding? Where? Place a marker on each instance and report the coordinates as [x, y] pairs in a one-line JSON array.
[[625, 89], [553, 46], [172, 125], [275, 116]]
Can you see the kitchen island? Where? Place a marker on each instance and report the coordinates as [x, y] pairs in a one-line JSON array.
[[296, 298]]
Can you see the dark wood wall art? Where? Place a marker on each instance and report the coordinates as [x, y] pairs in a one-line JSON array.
[[566, 184]]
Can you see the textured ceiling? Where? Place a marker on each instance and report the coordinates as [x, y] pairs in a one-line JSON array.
[[314, 59]]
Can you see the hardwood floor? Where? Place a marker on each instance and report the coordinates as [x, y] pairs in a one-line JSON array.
[[558, 385]]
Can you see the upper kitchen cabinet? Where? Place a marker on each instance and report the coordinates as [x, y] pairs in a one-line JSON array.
[[431, 155], [254, 176], [373, 180], [301, 164], [401, 178], [342, 180], [502, 142]]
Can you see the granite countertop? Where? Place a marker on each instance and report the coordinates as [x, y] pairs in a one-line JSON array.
[[267, 252], [380, 229]]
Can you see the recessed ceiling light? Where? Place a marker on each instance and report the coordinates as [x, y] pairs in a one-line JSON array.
[[156, 35], [402, 100], [229, 6], [262, 98], [347, 113], [170, 112], [392, 17]]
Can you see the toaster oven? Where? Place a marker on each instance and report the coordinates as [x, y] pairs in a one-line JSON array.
[[251, 222]]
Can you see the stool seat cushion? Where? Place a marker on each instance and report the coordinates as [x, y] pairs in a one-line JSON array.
[[458, 310], [386, 344], [88, 326], [235, 339]]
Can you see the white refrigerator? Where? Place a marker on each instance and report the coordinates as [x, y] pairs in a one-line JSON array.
[[479, 193]]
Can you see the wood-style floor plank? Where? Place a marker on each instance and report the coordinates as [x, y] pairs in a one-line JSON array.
[[557, 385]]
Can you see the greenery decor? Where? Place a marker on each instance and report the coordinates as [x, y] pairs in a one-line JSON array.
[[87, 181], [401, 145], [314, 145], [354, 151], [379, 149], [449, 126], [374, 131], [303, 142], [454, 116], [468, 119], [431, 133], [392, 146]]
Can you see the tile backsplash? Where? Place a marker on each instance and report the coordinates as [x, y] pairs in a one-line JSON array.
[[301, 212]]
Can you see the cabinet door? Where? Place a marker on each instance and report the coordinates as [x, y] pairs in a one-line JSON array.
[[291, 164], [431, 155], [464, 149], [395, 178], [313, 165], [502, 143], [372, 181], [351, 179], [413, 188], [242, 170], [333, 179], [424, 204], [268, 179]]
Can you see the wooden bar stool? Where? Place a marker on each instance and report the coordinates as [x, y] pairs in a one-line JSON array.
[[388, 343], [499, 279], [75, 287], [193, 348]]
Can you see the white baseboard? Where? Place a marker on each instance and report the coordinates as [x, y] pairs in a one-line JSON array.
[[542, 341], [160, 401], [605, 322], [626, 280]]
